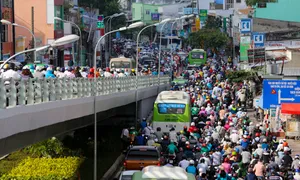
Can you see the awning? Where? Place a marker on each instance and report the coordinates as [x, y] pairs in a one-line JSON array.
[[290, 108]]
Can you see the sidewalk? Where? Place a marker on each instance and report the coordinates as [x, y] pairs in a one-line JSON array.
[[294, 145]]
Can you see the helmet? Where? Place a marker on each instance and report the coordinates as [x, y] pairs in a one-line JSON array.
[[203, 145], [92, 70], [207, 122], [257, 134], [233, 153], [192, 162], [285, 144], [226, 160], [192, 124], [132, 70], [264, 140]]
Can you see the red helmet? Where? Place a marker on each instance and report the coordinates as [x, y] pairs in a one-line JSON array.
[[203, 145], [91, 70], [226, 160], [257, 134]]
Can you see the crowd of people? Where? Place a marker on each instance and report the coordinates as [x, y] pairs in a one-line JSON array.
[[222, 141], [43, 71]]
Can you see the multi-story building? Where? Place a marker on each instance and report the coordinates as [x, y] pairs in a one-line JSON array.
[[7, 40], [46, 29]]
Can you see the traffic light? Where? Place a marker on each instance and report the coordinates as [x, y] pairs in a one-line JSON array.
[[100, 24]]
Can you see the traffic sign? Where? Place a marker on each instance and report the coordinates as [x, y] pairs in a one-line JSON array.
[[276, 92], [258, 39], [100, 25], [246, 26]]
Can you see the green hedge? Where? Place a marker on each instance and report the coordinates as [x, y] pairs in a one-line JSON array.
[[45, 169]]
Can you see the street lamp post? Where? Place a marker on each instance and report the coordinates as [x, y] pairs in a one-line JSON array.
[[59, 42], [163, 22], [131, 26], [137, 67], [79, 31], [109, 41], [182, 17], [3, 21]]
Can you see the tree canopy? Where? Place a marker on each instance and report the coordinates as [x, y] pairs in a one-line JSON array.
[[208, 38], [107, 8], [254, 2]]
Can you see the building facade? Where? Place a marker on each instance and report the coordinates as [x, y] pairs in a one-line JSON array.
[[46, 29], [7, 40]]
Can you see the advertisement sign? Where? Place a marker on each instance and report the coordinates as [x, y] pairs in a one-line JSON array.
[[245, 42], [203, 17], [277, 92], [155, 16], [246, 26], [187, 11], [197, 24], [20, 46], [258, 39]]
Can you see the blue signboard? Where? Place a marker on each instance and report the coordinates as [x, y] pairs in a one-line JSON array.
[[258, 39], [276, 92], [187, 11], [246, 25], [118, 35], [155, 16]]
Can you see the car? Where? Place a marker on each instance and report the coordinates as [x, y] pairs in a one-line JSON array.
[[127, 175], [139, 157]]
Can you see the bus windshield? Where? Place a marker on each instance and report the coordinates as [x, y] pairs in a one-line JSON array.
[[197, 55], [168, 108], [120, 65]]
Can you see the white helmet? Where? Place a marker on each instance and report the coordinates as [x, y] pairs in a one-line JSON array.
[[192, 162], [192, 124]]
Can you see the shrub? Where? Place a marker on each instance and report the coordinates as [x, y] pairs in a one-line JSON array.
[[45, 169]]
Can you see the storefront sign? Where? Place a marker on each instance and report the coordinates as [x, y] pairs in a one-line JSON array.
[[155, 16], [244, 46], [20, 46]]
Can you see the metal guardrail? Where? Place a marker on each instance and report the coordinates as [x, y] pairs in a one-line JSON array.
[[35, 91]]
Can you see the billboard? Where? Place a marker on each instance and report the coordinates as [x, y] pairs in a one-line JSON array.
[[258, 39], [245, 42], [187, 11], [155, 16], [246, 26]]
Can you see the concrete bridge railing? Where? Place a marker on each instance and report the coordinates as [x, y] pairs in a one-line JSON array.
[[25, 92]]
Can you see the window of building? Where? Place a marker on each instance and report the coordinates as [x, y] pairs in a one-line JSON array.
[[238, 1], [6, 3], [4, 35], [147, 11]]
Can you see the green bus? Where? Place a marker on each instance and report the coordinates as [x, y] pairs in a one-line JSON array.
[[172, 109], [197, 57], [162, 173]]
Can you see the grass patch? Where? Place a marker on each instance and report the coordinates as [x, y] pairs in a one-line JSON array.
[[10, 162]]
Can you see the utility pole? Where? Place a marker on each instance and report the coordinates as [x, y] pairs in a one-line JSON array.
[[13, 27], [78, 61], [32, 29], [1, 54]]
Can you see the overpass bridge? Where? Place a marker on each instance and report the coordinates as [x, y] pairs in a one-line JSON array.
[[36, 109]]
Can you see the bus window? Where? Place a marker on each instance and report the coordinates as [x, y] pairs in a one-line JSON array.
[[120, 65], [164, 108], [197, 55]]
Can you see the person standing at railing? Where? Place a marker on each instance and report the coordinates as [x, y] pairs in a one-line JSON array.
[[69, 73], [91, 74], [10, 73], [49, 73], [107, 73], [26, 73], [38, 73]]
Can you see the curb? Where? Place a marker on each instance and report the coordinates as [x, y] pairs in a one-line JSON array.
[[111, 171]]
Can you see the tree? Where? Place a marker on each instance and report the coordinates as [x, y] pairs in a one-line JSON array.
[[254, 2], [208, 38], [213, 22], [107, 8]]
